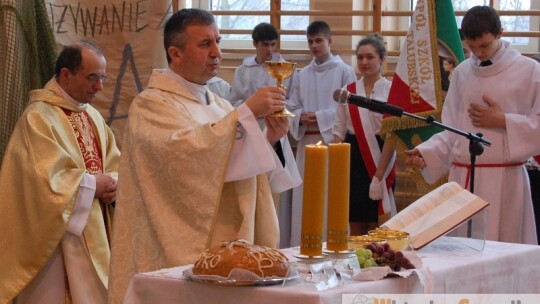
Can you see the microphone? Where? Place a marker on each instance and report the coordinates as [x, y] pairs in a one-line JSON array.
[[344, 96]]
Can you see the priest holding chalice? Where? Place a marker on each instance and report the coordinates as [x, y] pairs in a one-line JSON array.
[[195, 171]]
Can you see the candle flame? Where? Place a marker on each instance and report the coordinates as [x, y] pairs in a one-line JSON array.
[[319, 143]]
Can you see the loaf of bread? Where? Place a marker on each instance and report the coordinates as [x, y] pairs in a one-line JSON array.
[[240, 254]]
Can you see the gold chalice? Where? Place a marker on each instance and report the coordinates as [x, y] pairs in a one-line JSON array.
[[280, 70]]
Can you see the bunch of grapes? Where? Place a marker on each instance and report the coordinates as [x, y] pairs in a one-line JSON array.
[[385, 256], [365, 257]]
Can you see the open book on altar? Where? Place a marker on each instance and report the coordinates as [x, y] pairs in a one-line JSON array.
[[436, 213]]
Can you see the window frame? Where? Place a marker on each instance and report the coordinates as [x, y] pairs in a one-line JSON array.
[[247, 44]]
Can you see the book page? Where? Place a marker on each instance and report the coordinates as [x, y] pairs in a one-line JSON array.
[[422, 206], [445, 217]]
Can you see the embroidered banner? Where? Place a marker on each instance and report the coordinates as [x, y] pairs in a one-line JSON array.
[[417, 85]]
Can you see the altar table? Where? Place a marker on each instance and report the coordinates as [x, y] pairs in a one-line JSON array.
[[501, 268]]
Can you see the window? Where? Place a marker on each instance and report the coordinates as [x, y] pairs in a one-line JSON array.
[[350, 21], [511, 19], [236, 28]]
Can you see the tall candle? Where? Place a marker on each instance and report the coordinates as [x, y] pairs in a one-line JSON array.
[[315, 179], [338, 196]]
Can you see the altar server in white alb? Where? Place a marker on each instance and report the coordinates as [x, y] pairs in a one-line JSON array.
[[219, 86], [495, 92], [312, 102], [248, 78], [252, 75]]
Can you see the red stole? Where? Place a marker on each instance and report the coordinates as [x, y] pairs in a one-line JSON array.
[[86, 138], [91, 152], [365, 150]]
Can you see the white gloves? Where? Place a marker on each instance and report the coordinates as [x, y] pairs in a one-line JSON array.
[[376, 189]]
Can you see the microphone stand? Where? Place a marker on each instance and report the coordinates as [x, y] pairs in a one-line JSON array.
[[476, 147]]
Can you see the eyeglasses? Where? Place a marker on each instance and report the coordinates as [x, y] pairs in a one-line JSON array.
[[93, 78]]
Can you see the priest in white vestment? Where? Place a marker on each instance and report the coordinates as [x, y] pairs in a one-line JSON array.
[[58, 182], [195, 171]]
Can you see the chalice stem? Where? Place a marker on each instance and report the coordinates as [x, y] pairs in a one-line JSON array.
[[280, 70]]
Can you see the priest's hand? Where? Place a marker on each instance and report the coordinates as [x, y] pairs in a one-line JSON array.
[[105, 188], [488, 115], [266, 101], [414, 158], [276, 128]]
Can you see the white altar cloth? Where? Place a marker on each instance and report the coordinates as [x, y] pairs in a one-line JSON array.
[[500, 268]]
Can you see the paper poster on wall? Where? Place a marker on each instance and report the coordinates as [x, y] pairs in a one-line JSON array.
[[131, 36]]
